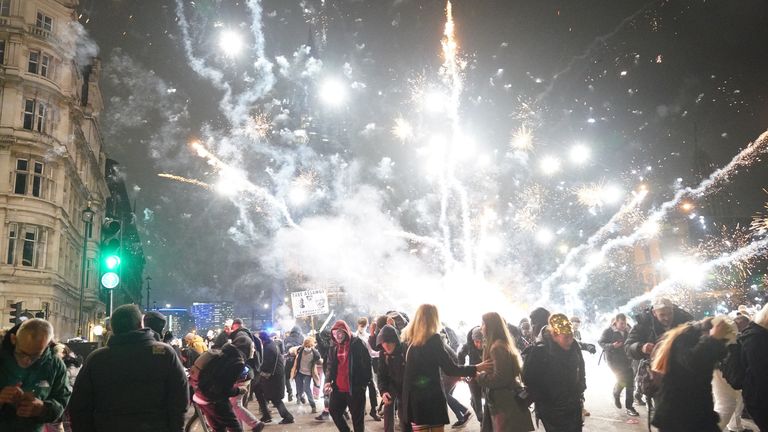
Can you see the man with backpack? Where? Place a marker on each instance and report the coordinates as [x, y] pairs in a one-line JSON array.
[[214, 377]]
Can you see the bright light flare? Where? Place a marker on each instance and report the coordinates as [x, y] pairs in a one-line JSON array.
[[685, 270], [580, 154], [436, 101], [545, 236], [549, 165], [333, 93], [522, 140], [402, 129], [231, 43]]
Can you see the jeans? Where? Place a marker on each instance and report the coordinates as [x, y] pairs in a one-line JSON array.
[[476, 399], [449, 384], [242, 414], [356, 403], [304, 386], [625, 378], [221, 417]]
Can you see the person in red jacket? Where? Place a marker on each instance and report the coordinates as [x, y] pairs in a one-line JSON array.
[[349, 372]]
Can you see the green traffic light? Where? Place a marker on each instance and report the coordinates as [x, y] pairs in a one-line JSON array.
[[112, 262]]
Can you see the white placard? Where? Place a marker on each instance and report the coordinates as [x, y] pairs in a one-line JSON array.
[[309, 303]]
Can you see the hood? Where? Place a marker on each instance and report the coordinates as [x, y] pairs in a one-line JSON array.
[[265, 338], [342, 325], [296, 331], [387, 334], [761, 317], [132, 337]]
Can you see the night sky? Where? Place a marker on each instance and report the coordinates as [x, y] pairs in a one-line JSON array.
[[640, 83]]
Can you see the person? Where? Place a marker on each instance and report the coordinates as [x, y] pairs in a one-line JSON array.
[[612, 342], [196, 343], [349, 371], [294, 339], [554, 374], [424, 402], [539, 319], [473, 351], [729, 402], [134, 383], [155, 321], [576, 321], [272, 383], [34, 388], [304, 370], [215, 377], [462, 413], [224, 335], [324, 344], [362, 333], [754, 352], [505, 409], [685, 358], [237, 329], [390, 376]]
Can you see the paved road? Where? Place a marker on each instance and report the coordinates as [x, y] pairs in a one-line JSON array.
[[604, 415]]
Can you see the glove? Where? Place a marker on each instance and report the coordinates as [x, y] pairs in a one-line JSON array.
[[591, 348]]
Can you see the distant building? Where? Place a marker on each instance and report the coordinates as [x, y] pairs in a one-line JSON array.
[[51, 166], [180, 321], [209, 316]]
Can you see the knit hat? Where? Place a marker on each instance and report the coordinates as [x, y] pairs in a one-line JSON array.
[[559, 324], [477, 334], [387, 334]]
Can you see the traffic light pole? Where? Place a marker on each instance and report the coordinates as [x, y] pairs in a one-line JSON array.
[[87, 219]]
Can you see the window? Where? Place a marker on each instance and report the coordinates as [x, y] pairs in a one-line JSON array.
[[44, 22], [34, 62], [12, 237], [29, 246], [26, 181], [35, 115], [45, 65], [2, 52], [5, 7]]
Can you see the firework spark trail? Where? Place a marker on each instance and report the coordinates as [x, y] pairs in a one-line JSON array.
[[185, 180], [599, 41], [591, 242], [235, 178], [741, 254], [746, 157]]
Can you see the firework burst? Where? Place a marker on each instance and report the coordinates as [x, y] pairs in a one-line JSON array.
[[186, 180], [522, 139]]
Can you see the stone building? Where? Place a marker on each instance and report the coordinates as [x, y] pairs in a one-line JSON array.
[[53, 164]]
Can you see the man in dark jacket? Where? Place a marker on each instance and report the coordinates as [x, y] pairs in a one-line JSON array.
[[554, 374], [349, 372], [133, 384], [272, 384], [754, 355], [33, 381], [651, 326], [474, 350], [612, 342], [390, 376], [293, 339], [155, 321]]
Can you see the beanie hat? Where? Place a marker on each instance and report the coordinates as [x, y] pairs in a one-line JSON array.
[[387, 334], [477, 334]]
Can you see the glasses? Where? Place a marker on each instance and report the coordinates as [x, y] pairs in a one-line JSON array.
[[31, 358]]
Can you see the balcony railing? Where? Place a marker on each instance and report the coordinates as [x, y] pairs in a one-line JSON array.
[[42, 33]]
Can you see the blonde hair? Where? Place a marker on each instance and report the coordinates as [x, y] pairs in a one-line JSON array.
[[663, 352], [309, 342], [497, 333], [425, 324]]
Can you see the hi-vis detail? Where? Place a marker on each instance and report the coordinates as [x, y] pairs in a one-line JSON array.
[[309, 303]]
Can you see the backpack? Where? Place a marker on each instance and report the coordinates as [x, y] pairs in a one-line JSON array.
[[210, 375], [733, 368], [647, 380]]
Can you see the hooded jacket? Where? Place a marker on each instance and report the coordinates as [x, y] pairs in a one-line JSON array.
[[754, 357], [295, 338], [359, 359], [272, 369], [650, 330], [391, 366], [224, 369], [470, 350], [133, 384], [47, 378], [616, 357]]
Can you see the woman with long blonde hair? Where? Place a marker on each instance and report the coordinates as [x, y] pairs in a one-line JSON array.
[[505, 409], [685, 360], [423, 397]]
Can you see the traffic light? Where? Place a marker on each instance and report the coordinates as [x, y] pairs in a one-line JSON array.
[[111, 248], [16, 313]]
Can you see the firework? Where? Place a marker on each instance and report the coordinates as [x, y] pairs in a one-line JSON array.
[[185, 180], [760, 220], [258, 126], [522, 139], [402, 129]]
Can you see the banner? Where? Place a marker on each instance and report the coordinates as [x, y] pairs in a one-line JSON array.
[[309, 303]]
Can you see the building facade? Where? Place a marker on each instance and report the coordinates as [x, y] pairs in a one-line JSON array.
[[52, 160], [210, 316], [179, 321]]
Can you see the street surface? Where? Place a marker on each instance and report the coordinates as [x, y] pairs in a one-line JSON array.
[[604, 415]]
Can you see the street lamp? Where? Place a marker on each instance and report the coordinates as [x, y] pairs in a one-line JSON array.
[[88, 221]]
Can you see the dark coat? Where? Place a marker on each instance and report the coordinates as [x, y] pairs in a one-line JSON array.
[[257, 345], [294, 339], [359, 364], [391, 371], [48, 369], [470, 350], [228, 364], [556, 381], [754, 355], [272, 372], [650, 330], [684, 402], [423, 396], [616, 357], [500, 388], [133, 384]]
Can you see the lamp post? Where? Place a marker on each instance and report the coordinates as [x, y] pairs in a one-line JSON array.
[[149, 289], [87, 221]]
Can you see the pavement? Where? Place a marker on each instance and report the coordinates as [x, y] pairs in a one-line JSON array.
[[604, 416]]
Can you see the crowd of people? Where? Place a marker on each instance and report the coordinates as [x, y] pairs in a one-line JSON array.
[[691, 375]]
